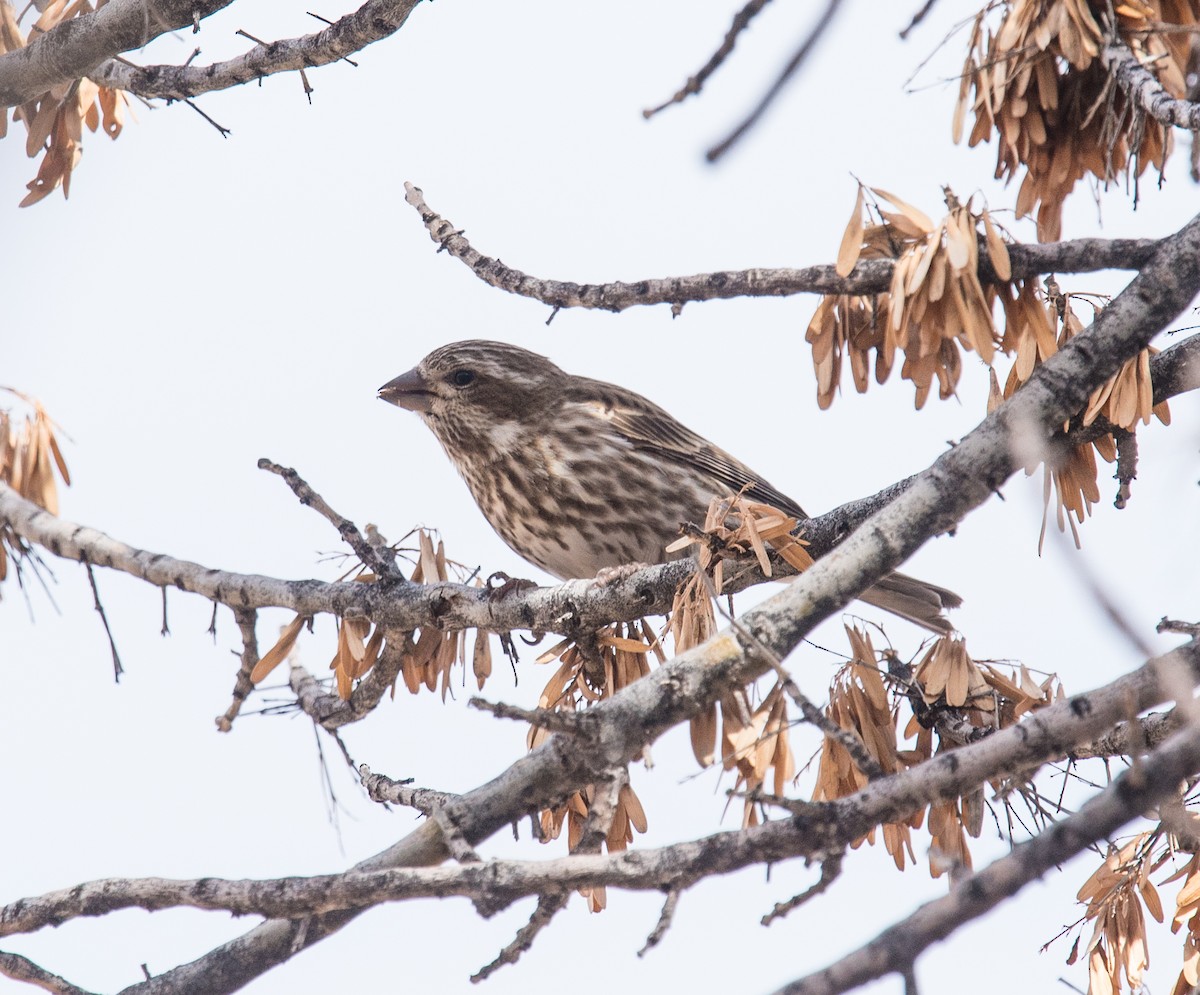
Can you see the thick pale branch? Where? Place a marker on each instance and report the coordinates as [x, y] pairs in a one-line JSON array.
[[814, 829], [373, 21], [76, 47], [1085, 255], [23, 969], [1144, 89], [960, 480], [1133, 793]]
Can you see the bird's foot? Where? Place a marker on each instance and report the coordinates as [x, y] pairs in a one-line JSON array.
[[614, 575], [500, 585]]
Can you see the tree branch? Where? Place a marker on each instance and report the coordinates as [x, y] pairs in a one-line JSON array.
[[694, 84], [75, 48], [956, 483], [1145, 91], [816, 830], [1085, 255], [23, 969], [895, 950], [373, 21]]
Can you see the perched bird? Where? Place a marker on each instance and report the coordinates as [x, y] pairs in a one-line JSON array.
[[577, 475]]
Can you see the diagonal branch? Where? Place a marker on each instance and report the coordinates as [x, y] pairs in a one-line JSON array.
[[1143, 88], [373, 21], [1085, 255], [816, 830], [1134, 792], [75, 48], [956, 483]]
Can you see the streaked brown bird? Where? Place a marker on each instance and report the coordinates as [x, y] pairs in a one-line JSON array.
[[577, 475]]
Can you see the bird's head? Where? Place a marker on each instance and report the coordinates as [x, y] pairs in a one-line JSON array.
[[464, 391]]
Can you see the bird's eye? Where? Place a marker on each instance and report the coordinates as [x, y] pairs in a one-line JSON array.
[[462, 378]]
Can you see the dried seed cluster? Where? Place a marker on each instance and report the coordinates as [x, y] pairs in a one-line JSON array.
[[1124, 401], [945, 679], [936, 306], [29, 457], [427, 655], [1037, 83], [55, 120]]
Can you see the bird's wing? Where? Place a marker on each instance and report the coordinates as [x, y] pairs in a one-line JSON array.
[[650, 429]]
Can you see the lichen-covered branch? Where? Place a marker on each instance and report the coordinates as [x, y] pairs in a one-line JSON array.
[[373, 21], [74, 48], [814, 829], [894, 951], [1146, 92], [1084, 255], [958, 481]]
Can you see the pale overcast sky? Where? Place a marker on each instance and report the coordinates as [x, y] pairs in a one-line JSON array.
[[200, 303]]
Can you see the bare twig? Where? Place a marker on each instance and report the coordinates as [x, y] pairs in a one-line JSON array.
[[869, 277], [373, 21], [118, 670], [371, 555], [569, 723], [917, 18], [794, 63], [547, 907], [694, 84], [1127, 461], [242, 685], [664, 922], [23, 969], [831, 869]]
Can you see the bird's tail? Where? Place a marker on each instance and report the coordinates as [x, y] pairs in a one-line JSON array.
[[914, 600]]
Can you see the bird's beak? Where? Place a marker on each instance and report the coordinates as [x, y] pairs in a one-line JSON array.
[[409, 390]]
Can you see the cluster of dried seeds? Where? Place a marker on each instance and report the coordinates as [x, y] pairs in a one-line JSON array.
[[56, 119], [946, 678], [427, 655], [936, 306], [1040, 87], [1124, 401], [29, 456]]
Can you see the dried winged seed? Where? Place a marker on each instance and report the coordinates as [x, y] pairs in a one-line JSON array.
[[1190, 892], [481, 657], [920, 218], [899, 275], [624, 644], [756, 543], [925, 253], [278, 653], [958, 247], [873, 686], [345, 685], [555, 651], [112, 103], [351, 632], [1098, 400], [957, 683], [681, 543], [852, 238], [428, 559], [1191, 962], [997, 250], [373, 648], [1145, 389], [903, 226]]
